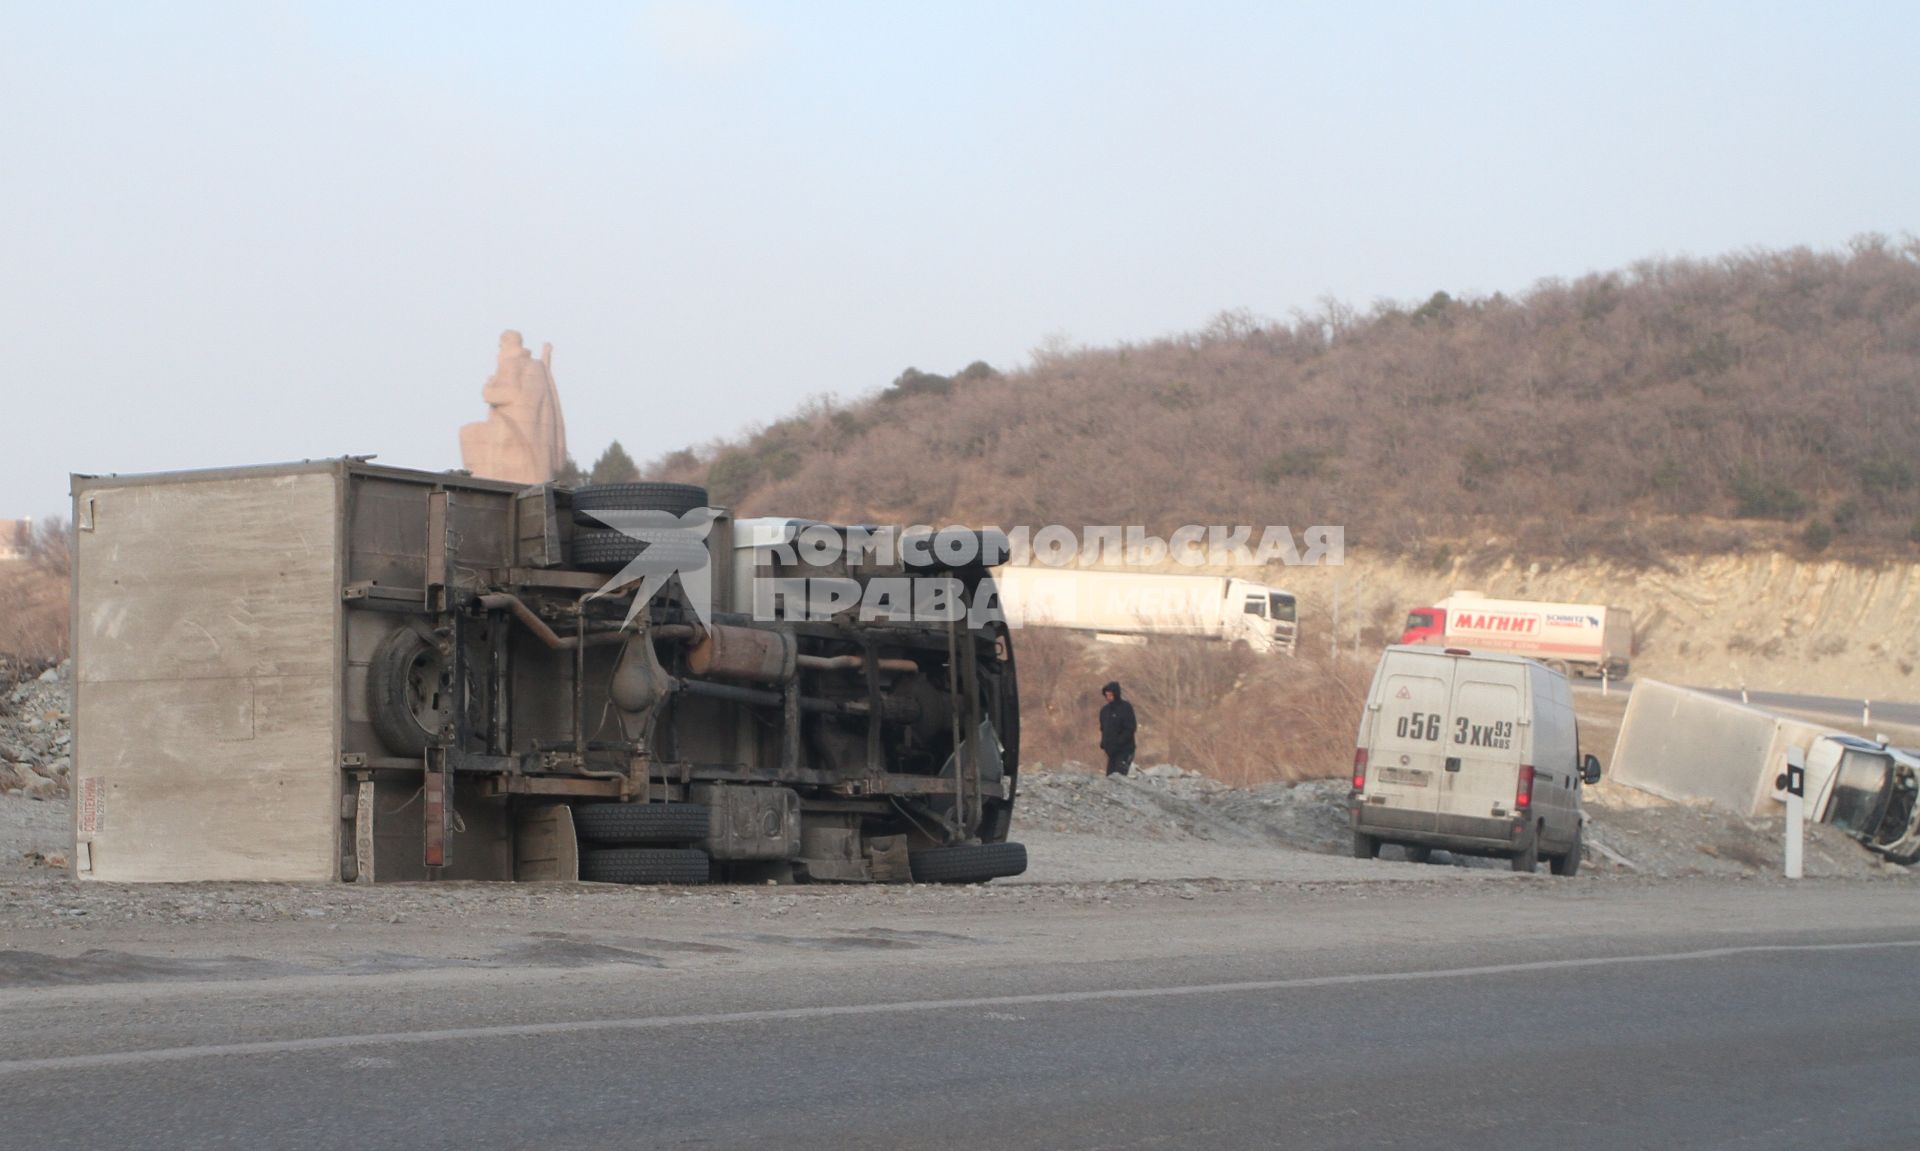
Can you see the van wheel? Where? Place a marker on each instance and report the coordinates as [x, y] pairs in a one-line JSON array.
[[1528, 861], [1418, 853], [1569, 864], [1365, 846]]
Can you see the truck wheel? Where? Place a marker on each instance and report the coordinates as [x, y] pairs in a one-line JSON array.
[[410, 696], [680, 865], [1365, 846], [605, 550], [1528, 861], [640, 823], [1418, 853], [677, 499], [968, 862], [1560, 665], [1569, 864]]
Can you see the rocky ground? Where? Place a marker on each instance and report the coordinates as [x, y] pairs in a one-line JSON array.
[[35, 741], [1629, 832]]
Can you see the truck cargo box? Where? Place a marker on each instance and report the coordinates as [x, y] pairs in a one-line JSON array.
[[335, 670], [1682, 744]]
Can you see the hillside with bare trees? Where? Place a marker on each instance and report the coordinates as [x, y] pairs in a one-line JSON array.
[[1676, 406]]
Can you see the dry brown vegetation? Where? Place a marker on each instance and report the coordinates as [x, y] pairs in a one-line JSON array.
[[33, 603], [1238, 717], [1675, 406]]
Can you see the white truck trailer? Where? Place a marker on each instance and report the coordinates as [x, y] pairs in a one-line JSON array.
[[1126, 603], [1683, 744], [1586, 639]]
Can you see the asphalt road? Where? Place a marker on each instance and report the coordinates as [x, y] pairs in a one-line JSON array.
[[1882, 711], [1536, 1016]]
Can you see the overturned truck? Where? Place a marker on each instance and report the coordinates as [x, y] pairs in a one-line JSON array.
[[336, 670]]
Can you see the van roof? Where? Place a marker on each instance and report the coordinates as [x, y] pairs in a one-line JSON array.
[[1459, 652]]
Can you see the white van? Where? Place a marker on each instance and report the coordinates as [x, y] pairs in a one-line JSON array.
[[1475, 753]]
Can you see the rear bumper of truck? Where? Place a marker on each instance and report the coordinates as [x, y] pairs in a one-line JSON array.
[[1465, 834]]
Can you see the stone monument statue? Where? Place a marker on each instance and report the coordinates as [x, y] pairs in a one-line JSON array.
[[524, 437]]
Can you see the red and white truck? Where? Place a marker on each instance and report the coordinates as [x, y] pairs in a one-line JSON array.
[[1573, 638]]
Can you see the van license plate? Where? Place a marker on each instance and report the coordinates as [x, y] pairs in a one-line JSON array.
[[1403, 777]]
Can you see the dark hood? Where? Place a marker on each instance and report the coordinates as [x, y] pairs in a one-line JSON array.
[[1114, 687]]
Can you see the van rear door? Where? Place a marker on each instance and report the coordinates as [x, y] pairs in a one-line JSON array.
[[1484, 738], [1407, 754]]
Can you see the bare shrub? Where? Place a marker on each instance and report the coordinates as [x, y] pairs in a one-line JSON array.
[[1227, 713], [1775, 386], [33, 600], [33, 614], [1059, 698]]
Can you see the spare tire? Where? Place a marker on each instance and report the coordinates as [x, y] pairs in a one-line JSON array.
[[410, 696], [639, 823], [679, 499], [968, 862], [682, 865], [603, 550]]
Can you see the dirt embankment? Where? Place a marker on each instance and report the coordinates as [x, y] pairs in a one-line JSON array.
[[1768, 620]]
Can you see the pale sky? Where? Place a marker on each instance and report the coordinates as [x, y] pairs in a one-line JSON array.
[[264, 231]]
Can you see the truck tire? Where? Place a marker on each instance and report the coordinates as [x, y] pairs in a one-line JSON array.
[[1568, 865], [968, 862], [678, 499], [410, 695], [1365, 846], [640, 823], [1418, 853], [1560, 665], [678, 865], [605, 550], [1527, 860]]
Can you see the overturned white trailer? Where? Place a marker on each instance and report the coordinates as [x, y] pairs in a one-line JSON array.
[[1683, 744]]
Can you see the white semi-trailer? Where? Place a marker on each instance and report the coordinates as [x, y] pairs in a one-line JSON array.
[[1127, 603]]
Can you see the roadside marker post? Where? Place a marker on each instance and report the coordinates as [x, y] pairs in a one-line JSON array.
[[1794, 783], [1603, 680], [1866, 713]]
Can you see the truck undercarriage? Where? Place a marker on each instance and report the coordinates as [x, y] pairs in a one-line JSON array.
[[334, 669], [833, 749]]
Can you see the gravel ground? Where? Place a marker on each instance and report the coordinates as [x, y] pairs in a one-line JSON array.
[[36, 755]]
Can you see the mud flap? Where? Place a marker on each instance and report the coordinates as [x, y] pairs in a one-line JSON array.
[[545, 848], [888, 859]]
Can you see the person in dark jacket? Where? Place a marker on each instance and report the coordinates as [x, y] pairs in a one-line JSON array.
[[1116, 730]]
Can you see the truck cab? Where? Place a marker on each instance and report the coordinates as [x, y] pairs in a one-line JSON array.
[[1425, 625], [1867, 790], [1269, 618]]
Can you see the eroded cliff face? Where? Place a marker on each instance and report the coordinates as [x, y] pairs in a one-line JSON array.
[[1766, 620]]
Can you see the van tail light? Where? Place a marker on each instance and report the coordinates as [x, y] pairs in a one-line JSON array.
[[1523, 794], [1359, 769]]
